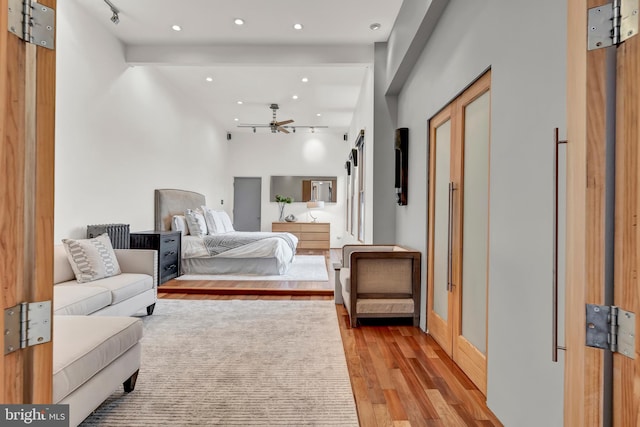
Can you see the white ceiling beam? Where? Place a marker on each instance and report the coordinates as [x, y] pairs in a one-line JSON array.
[[299, 55]]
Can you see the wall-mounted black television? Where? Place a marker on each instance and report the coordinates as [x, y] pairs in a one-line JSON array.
[[402, 165]]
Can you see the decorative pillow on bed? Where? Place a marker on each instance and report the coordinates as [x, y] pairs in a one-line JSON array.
[[197, 224], [226, 221], [92, 259], [179, 223], [213, 220]]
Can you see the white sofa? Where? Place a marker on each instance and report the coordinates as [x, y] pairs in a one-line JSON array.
[[136, 288], [95, 341]]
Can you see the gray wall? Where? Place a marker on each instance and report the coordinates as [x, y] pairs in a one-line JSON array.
[[523, 43]]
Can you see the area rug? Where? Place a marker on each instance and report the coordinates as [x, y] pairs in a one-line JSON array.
[[305, 268], [237, 363]]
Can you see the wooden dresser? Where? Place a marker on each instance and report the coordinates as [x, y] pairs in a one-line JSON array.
[[311, 235]]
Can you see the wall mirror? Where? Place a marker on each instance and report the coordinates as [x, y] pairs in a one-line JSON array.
[[305, 188]]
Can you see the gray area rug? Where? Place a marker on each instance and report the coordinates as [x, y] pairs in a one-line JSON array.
[[237, 363]]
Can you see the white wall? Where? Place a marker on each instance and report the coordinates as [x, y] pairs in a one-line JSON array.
[[363, 119], [528, 100], [302, 153], [122, 132]]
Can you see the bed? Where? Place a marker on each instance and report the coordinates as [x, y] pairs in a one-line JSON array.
[[261, 253]]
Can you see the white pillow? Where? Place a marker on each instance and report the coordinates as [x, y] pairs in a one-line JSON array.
[[196, 223], [92, 259], [179, 223], [213, 220], [226, 221]]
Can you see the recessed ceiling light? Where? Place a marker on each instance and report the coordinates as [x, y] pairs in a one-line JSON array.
[[295, 97], [375, 26], [238, 21], [239, 102], [297, 26], [305, 80], [236, 119], [318, 114], [209, 79], [176, 28]]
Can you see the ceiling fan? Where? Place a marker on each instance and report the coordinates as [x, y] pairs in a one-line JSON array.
[[277, 126]]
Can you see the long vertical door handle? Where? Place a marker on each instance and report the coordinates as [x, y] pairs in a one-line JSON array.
[[554, 333], [450, 240]]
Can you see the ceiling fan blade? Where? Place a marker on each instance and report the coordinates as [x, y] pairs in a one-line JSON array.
[[284, 122], [281, 129]]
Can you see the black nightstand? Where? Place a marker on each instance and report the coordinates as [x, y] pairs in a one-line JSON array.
[[168, 245]]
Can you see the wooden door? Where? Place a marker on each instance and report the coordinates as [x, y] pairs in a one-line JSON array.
[[458, 229], [27, 106], [626, 371], [596, 395]]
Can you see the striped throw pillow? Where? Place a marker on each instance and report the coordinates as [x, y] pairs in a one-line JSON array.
[[92, 259]]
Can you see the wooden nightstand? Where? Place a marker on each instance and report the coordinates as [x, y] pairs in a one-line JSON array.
[[311, 235], [169, 247]]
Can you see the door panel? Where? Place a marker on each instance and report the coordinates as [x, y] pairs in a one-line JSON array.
[[475, 222], [441, 220], [439, 260], [27, 110], [459, 229], [247, 203]]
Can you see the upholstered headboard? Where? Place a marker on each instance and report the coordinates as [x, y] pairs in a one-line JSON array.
[[170, 202]]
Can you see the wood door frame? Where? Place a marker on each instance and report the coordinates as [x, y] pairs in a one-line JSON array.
[[27, 116], [626, 371], [585, 257]]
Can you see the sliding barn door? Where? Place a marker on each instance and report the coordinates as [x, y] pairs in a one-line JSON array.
[[27, 101], [458, 229]]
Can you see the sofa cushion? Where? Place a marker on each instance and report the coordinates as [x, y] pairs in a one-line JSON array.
[[384, 305], [71, 298], [92, 259], [84, 345], [62, 271], [123, 286]]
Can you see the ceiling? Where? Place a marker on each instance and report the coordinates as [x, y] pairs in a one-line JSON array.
[[260, 62]]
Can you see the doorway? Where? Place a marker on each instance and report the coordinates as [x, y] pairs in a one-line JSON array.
[[458, 224], [247, 203]]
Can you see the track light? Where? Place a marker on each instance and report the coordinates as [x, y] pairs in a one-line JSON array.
[[114, 18]]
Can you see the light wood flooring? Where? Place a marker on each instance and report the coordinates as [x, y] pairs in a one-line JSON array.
[[399, 375]]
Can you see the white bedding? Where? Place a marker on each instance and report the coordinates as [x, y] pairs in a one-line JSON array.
[[273, 247]]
